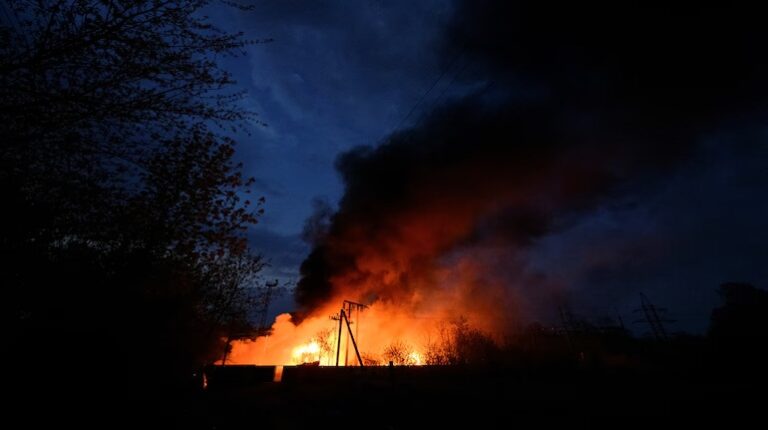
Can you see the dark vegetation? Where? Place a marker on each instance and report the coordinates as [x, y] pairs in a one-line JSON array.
[[123, 252]]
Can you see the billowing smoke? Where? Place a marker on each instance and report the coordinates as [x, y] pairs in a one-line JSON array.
[[579, 102]]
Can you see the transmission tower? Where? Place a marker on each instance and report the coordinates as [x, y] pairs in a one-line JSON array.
[[653, 316]]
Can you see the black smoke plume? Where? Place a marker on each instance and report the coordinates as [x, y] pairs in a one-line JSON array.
[[578, 103]]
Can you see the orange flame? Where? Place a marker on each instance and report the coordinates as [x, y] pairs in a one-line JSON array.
[[402, 331]]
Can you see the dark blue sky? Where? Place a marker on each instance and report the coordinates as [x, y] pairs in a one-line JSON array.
[[340, 74]]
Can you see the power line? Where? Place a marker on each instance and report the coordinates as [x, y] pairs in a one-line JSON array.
[[429, 90], [445, 90]]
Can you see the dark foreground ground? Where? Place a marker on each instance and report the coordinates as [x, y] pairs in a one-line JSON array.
[[497, 397], [693, 391]]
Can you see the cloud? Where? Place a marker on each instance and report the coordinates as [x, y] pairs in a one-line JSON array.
[[338, 75], [283, 252]]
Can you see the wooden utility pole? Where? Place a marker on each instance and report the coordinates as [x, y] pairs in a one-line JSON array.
[[357, 351], [353, 318], [263, 308], [343, 317], [338, 339]]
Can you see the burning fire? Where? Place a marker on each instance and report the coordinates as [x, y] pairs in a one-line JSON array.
[[428, 233], [306, 353], [316, 340], [403, 332], [435, 226]]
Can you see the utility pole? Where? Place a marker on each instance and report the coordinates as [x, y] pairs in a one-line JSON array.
[[344, 318], [262, 310], [338, 339], [349, 329], [352, 310], [264, 305], [334, 317]]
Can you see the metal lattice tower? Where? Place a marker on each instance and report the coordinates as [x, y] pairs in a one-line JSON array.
[[652, 315]]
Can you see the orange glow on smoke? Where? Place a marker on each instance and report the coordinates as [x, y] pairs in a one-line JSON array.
[[401, 330], [417, 271]]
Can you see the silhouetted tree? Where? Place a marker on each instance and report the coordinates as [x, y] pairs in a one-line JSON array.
[[460, 343], [399, 353], [739, 328], [126, 215]]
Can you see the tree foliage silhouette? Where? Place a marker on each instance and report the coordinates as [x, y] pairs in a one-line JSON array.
[[126, 215]]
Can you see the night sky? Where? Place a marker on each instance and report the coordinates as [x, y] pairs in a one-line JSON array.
[[677, 97]]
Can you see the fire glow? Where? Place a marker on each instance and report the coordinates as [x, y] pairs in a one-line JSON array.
[[405, 326], [383, 332], [413, 324], [433, 235]]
